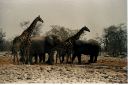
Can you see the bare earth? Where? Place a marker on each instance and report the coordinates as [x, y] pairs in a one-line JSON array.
[[106, 70]]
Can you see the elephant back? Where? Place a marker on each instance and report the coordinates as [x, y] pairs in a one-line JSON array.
[[52, 40], [93, 42], [37, 45]]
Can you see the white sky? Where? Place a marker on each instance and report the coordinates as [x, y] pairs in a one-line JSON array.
[[73, 14]]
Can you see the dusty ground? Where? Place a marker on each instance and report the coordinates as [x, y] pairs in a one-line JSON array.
[[106, 70]]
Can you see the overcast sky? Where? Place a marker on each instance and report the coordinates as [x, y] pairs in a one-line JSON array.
[[73, 14]]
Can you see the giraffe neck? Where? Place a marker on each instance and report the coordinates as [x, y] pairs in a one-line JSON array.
[[28, 32], [32, 26], [76, 36]]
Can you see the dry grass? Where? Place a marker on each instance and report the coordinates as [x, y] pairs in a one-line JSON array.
[[106, 70]]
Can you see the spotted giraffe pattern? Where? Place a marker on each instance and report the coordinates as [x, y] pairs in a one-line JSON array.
[[23, 41]]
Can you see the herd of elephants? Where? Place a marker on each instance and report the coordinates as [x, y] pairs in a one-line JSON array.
[[27, 49]]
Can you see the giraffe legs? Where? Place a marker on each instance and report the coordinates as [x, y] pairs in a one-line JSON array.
[[26, 55], [26, 61], [15, 59], [25, 47]]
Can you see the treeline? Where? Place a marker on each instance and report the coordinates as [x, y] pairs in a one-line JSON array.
[[113, 42], [61, 31], [5, 45]]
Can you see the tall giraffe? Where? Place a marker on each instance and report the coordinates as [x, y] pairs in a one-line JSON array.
[[68, 44], [24, 39]]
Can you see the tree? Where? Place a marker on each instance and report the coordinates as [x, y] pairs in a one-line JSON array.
[[2, 35], [115, 40], [61, 31], [25, 24]]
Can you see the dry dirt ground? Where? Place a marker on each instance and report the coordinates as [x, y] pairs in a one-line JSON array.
[[106, 70]]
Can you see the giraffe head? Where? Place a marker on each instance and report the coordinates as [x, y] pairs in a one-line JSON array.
[[85, 28], [39, 19]]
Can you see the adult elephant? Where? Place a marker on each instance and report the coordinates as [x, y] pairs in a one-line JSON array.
[[41, 45], [90, 47]]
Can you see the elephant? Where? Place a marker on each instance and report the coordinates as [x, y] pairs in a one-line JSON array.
[[90, 47], [41, 45]]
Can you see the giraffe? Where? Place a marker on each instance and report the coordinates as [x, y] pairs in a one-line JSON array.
[[70, 41], [24, 39], [68, 44]]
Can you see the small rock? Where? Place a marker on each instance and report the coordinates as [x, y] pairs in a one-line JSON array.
[[20, 78], [41, 68], [106, 76], [125, 68]]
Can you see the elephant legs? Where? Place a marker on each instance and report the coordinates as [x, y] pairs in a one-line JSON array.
[[62, 55], [91, 59], [79, 59], [58, 56], [62, 59], [68, 58], [30, 60], [95, 60], [50, 58], [36, 59], [73, 57], [42, 57]]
